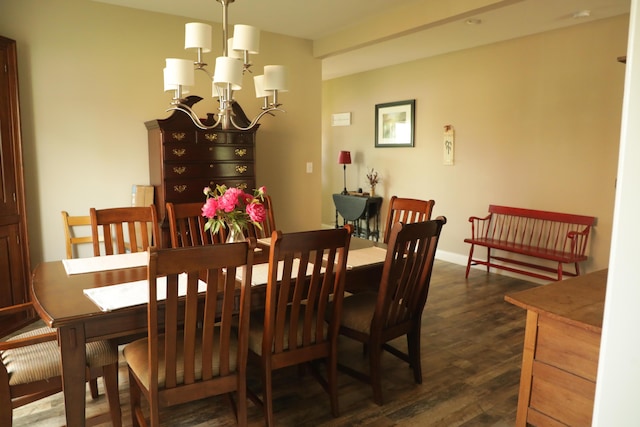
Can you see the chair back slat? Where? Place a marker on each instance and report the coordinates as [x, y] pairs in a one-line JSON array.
[[124, 229], [407, 211]]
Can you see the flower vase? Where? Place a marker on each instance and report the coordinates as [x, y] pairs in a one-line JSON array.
[[234, 235], [372, 193]]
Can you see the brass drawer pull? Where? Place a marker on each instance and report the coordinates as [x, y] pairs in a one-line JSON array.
[[240, 152], [212, 137], [241, 169], [179, 188], [178, 136], [179, 151], [179, 169]]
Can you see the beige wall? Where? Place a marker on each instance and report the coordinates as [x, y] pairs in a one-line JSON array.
[[91, 75], [537, 125]]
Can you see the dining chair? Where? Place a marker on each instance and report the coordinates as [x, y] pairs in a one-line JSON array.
[[268, 226], [186, 226], [406, 211], [71, 226], [192, 349], [375, 318], [306, 271], [30, 369], [124, 229]]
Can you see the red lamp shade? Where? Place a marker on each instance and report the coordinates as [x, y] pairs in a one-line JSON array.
[[344, 158]]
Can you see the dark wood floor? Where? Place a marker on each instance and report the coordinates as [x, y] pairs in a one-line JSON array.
[[471, 354]]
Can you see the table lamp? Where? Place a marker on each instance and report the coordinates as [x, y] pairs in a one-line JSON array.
[[344, 159]]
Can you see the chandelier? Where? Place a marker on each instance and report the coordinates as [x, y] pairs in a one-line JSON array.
[[227, 75]]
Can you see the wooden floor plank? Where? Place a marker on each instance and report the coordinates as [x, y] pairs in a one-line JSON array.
[[471, 352]]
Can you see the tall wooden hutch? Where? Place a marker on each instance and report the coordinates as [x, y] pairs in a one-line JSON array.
[[15, 267], [183, 159]]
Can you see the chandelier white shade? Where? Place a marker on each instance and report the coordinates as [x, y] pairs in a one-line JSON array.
[[228, 72]]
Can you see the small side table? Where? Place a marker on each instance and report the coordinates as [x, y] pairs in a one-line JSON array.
[[357, 210]]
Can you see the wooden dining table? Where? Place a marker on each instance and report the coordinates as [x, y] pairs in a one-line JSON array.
[[60, 301]]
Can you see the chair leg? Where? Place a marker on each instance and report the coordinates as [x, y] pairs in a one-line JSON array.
[[375, 353], [413, 341], [267, 395], [93, 386], [241, 406], [466, 274], [110, 378], [332, 379], [134, 400], [6, 411]]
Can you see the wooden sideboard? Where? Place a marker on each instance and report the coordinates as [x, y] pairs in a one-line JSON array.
[[184, 159], [561, 349]]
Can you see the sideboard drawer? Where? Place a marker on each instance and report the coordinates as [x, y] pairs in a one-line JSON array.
[[189, 190], [195, 170], [229, 137]]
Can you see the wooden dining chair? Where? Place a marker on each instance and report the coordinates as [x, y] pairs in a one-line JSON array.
[[375, 318], [72, 225], [186, 226], [292, 329], [191, 350], [406, 211], [124, 229], [268, 226], [30, 369]]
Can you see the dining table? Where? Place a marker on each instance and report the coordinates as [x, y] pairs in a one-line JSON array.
[[61, 292]]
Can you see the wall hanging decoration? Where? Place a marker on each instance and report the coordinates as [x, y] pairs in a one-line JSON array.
[[395, 124], [449, 138]]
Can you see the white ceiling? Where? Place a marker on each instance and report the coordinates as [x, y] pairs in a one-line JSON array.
[[315, 20]]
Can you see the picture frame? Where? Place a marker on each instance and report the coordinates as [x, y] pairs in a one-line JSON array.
[[395, 124]]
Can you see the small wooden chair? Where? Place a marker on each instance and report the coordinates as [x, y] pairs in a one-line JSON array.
[[188, 356], [375, 318], [30, 369], [186, 226], [71, 224], [268, 225], [406, 211], [292, 329], [125, 229]]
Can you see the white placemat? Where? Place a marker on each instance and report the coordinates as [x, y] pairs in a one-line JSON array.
[[113, 297], [107, 262]]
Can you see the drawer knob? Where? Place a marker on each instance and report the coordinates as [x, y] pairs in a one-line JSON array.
[[241, 152], [179, 152], [179, 188], [178, 136], [211, 136], [179, 169], [241, 169]]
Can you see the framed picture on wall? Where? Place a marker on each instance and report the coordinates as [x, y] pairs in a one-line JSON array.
[[395, 124]]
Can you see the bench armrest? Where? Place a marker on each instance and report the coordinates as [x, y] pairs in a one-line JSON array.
[[480, 224], [577, 241]]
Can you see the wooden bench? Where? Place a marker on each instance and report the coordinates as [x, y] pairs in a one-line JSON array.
[[550, 236]]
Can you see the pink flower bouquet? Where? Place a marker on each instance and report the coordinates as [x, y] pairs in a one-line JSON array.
[[233, 208]]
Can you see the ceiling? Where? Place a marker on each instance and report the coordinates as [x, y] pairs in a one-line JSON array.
[[428, 27]]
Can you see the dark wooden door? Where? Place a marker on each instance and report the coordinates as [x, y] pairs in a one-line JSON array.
[[14, 245]]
